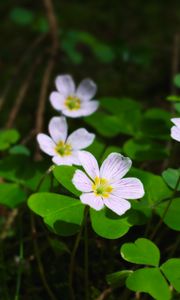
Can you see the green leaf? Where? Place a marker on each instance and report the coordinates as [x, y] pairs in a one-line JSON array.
[[155, 187], [177, 80], [171, 269], [20, 149], [156, 124], [22, 170], [22, 16], [177, 107], [105, 125], [151, 281], [127, 111], [171, 177], [11, 195], [64, 175], [141, 150], [96, 148], [173, 98], [8, 137], [142, 251], [118, 279], [61, 213], [59, 247], [109, 225], [171, 218]]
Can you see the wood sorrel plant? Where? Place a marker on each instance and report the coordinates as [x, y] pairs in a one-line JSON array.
[[75, 193]]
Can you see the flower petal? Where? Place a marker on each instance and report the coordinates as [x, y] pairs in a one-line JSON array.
[[58, 129], [82, 182], [129, 188], [117, 205], [89, 164], [93, 201], [62, 160], [88, 108], [175, 133], [86, 89], [114, 167], [73, 113], [46, 144], [57, 100], [80, 139], [65, 85], [176, 121]]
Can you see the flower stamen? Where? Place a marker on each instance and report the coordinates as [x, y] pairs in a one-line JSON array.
[[63, 149], [73, 103], [101, 187]]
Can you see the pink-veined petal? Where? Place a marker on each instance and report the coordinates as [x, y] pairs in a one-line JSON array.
[[175, 133], [114, 167], [82, 181], [128, 188], [176, 121], [57, 100], [86, 89], [93, 201], [46, 144], [117, 205], [80, 139], [65, 85], [58, 129], [89, 164]]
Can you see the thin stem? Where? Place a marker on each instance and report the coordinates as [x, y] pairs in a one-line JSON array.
[[86, 259], [165, 210], [73, 255], [39, 262]]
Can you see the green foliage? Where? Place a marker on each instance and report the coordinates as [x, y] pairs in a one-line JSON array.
[[20, 149], [177, 80], [64, 175], [171, 269], [20, 169], [151, 281], [171, 177], [118, 279], [142, 251], [61, 213], [11, 195], [171, 217], [7, 138], [141, 150], [22, 16]]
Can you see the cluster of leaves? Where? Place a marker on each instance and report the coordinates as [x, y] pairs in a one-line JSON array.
[[63, 213]]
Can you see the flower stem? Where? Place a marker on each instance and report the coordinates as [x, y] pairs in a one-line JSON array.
[[73, 254]]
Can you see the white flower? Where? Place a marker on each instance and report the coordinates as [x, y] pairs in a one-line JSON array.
[[105, 186], [175, 130], [71, 101], [63, 149]]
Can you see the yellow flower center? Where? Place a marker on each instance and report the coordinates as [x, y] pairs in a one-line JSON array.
[[101, 187], [63, 149], [73, 103]]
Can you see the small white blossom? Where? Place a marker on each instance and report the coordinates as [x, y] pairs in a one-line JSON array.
[[175, 130], [105, 186], [63, 149], [74, 102]]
